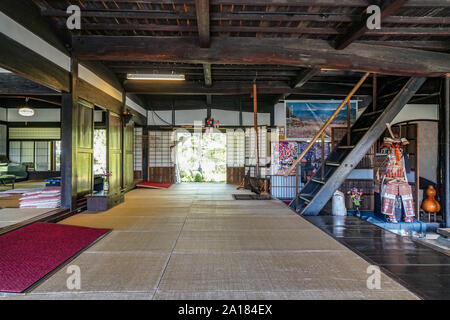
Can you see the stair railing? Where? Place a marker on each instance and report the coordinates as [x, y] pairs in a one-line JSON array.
[[325, 126]]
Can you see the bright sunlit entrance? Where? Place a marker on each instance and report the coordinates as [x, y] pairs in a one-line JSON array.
[[201, 157]]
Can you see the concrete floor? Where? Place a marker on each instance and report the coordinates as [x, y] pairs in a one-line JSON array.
[[193, 241]]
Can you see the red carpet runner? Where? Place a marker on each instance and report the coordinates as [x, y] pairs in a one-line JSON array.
[[30, 253], [155, 185]]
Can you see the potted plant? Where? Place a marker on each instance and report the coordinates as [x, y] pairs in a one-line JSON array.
[[355, 195]]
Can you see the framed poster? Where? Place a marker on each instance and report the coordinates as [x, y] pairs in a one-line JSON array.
[[284, 153], [305, 118]]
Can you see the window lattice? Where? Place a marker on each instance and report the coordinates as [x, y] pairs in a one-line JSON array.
[[42, 155], [138, 149], [235, 148], [159, 148]]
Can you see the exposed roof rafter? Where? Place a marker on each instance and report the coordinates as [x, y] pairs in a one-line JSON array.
[[389, 8]]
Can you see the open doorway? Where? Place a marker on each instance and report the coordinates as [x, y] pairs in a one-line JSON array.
[[100, 153], [201, 157]]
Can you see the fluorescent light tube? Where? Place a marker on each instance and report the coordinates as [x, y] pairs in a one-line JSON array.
[[155, 76]]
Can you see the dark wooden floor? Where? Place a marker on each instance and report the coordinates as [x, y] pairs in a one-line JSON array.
[[422, 270]]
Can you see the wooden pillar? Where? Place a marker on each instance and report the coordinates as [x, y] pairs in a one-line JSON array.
[[417, 173], [255, 125], [122, 146], [145, 153], [323, 156], [349, 125], [69, 108], [374, 92], [173, 112], [240, 112], [446, 202]]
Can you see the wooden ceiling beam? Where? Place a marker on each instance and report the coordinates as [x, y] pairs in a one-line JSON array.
[[296, 3], [304, 76], [207, 74], [13, 84], [392, 31], [288, 16], [389, 8], [308, 53], [234, 88], [411, 44], [203, 25]]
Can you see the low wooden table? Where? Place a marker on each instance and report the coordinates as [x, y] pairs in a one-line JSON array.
[[102, 201], [8, 178]]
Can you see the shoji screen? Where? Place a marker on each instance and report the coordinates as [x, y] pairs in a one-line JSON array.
[[250, 150], [159, 151], [235, 156], [2, 140], [160, 162], [235, 148], [138, 132]]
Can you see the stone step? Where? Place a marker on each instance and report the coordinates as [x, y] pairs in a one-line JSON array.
[[444, 232]]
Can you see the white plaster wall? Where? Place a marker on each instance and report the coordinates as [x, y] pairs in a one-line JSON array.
[[98, 116], [154, 120], [428, 150], [3, 114], [226, 117], [280, 114], [263, 119], [187, 117], [417, 112], [41, 115]]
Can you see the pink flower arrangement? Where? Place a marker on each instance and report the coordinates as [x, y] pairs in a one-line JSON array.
[[107, 174], [356, 196]]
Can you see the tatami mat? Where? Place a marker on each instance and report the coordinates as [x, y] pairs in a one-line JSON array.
[[111, 272], [193, 241]]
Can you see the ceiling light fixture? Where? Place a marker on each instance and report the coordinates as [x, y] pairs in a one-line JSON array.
[[26, 111], [155, 76]]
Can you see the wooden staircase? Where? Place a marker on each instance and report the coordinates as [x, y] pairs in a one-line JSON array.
[[345, 157]]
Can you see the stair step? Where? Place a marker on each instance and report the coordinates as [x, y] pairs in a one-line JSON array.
[[305, 199], [360, 129], [342, 160], [317, 181]]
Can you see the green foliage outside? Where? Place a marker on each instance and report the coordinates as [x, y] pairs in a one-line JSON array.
[[99, 151], [202, 157]]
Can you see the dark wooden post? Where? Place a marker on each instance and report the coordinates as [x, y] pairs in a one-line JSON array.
[[240, 112], [69, 110], [145, 153], [349, 125], [374, 92], [297, 172], [322, 174], [446, 204]]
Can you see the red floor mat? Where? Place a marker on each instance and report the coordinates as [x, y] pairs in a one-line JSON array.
[[31, 252], [156, 185]]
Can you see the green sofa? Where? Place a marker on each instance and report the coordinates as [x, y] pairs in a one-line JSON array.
[[16, 169]]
